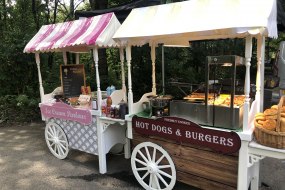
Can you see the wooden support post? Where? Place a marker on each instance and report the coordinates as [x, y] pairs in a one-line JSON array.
[[101, 148], [260, 61], [99, 94], [64, 57], [262, 72], [77, 58], [130, 93], [153, 68], [248, 52], [122, 59], [243, 166], [37, 55]]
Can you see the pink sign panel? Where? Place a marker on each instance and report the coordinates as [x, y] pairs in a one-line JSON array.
[[66, 112]]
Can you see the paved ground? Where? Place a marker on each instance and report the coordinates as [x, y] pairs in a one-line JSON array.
[[27, 164]]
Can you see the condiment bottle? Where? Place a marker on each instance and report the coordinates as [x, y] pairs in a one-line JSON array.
[[123, 109], [109, 101], [94, 104]]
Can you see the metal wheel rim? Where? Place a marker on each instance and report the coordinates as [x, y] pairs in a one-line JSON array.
[[56, 140], [152, 167]]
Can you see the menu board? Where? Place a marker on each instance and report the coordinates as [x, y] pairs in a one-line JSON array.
[[72, 78]]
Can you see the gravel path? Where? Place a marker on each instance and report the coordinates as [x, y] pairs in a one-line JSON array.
[[27, 164]]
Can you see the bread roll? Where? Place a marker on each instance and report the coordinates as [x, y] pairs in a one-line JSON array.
[[270, 112], [271, 117], [270, 124], [274, 107]]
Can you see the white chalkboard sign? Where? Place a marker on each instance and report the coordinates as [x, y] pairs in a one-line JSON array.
[[72, 78]]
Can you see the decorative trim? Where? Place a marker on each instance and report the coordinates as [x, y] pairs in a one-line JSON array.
[[254, 158]]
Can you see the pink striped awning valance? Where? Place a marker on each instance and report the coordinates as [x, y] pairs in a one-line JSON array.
[[76, 36]]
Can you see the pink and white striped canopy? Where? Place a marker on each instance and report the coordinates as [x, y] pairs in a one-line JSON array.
[[75, 36]]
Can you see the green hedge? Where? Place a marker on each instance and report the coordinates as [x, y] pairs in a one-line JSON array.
[[19, 108]]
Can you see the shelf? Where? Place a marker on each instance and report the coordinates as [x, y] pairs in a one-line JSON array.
[[258, 149]]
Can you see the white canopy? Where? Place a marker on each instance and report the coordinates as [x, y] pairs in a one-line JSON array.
[[179, 23]]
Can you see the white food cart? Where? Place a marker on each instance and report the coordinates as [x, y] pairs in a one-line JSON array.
[[177, 24], [69, 127]]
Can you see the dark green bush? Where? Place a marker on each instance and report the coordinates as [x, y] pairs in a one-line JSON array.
[[18, 109]]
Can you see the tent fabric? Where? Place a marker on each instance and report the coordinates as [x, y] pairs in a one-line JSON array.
[[75, 36], [181, 22]]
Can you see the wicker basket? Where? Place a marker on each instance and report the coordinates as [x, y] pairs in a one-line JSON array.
[[274, 139]]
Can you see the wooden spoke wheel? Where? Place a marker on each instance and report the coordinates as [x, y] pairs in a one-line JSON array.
[[153, 167], [56, 140]]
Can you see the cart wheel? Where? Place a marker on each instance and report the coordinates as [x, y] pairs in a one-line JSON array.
[[153, 167], [56, 140]]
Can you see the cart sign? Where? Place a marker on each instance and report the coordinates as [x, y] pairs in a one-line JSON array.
[[185, 131], [66, 112]]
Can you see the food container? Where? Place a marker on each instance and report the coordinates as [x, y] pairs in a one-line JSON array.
[[160, 105], [276, 138], [211, 115]]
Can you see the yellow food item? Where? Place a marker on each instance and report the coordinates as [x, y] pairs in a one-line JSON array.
[[270, 111], [270, 124]]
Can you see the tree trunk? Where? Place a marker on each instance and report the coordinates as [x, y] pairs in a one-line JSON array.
[[35, 14], [48, 12], [71, 9], [55, 11]]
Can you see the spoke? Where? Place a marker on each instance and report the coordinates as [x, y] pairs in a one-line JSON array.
[[51, 131], [154, 154], [142, 169], [164, 166], [161, 179], [49, 134], [51, 144], [145, 159], [157, 182], [165, 174], [159, 160], [150, 180], [49, 139], [55, 149], [146, 174], [62, 141], [141, 162], [147, 153], [54, 131], [61, 145], [60, 150]]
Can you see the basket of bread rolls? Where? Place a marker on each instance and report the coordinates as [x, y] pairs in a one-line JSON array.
[[270, 126]]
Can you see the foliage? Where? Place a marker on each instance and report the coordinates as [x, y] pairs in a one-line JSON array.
[[18, 108]]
